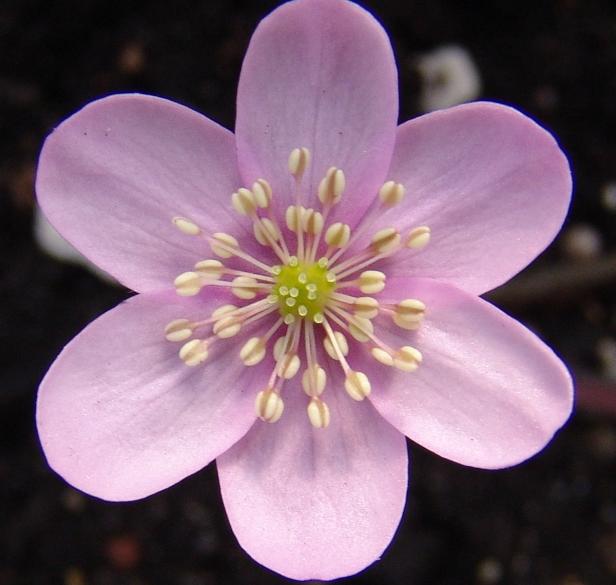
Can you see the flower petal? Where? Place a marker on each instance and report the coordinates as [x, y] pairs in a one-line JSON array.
[[488, 393], [112, 177], [119, 414], [318, 74], [484, 177], [316, 503]]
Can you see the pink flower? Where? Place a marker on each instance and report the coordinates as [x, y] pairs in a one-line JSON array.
[[371, 294]]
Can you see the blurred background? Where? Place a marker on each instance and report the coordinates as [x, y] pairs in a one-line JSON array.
[[550, 521]]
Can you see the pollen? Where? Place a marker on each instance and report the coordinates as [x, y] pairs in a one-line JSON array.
[[303, 290]]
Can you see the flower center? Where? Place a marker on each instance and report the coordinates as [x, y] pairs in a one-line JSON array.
[[316, 295], [303, 289]]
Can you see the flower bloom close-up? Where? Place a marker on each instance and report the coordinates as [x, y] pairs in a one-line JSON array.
[[307, 292]]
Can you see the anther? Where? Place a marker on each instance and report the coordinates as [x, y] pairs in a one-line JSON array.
[[178, 330], [188, 284], [361, 329], [366, 307], [253, 351], [194, 352], [223, 310], [409, 314], [332, 186], [418, 238], [385, 241], [289, 365], [244, 287], [371, 282], [312, 222], [407, 359], [299, 159], [227, 327], [357, 385], [341, 342], [221, 242], [210, 269], [391, 193], [269, 406], [338, 235], [244, 201], [186, 226], [382, 356], [318, 413], [294, 217], [262, 192], [265, 231], [314, 379]]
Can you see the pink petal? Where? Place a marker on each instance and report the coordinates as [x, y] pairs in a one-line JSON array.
[[112, 177], [316, 503], [318, 74], [489, 393], [119, 414], [492, 185]]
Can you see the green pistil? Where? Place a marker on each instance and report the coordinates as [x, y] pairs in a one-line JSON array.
[[302, 290]]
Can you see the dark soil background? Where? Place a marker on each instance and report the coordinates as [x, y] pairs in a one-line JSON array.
[[550, 521]]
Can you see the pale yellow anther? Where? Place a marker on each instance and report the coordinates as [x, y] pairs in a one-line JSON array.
[[418, 238], [262, 193], [244, 202], [186, 226], [366, 307], [178, 330], [312, 222], [294, 217], [188, 284], [269, 406], [409, 314], [210, 269], [223, 310], [221, 242], [253, 351], [371, 282], [338, 235], [289, 365], [314, 380], [318, 413], [279, 347], [244, 287], [341, 342], [385, 241], [357, 385], [227, 327], [407, 359], [382, 356], [360, 328], [391, 193], [265, 231], [299, 159], [194, 352], [332, 186]]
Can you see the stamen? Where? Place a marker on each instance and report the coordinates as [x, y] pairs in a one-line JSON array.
[[294, 217], [299, 159], [418, 238], [386, 241], [253, 351], [188, 284], [210, 269], [369, 282], [332, 186], [186, 226], [341, 342], [179, 330], [245, 287], [266, 231], [366, 307], [360, 328], [312, 222], [227, 327], [409, 314], [243, 202], [357, 385], [262, 193], [314, 380], [194, 352], [337, 235], [318, 413], [269, 405], [408, 359], [289, 365], [391, 193], [382, 356], [223, 245]]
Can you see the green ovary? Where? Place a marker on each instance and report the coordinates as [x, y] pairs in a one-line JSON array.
[[303, 289]]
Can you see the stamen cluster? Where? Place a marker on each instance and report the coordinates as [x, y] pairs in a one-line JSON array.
[[313, 296]]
